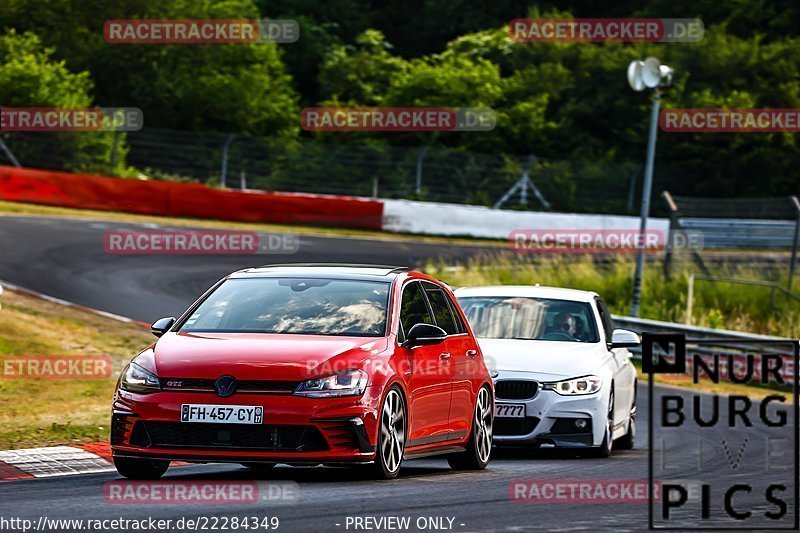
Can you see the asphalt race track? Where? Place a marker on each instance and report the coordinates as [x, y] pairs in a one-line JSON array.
[[327, 496], [65, 259], [323, 498]]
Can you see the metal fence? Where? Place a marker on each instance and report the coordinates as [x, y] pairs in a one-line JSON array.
[[736, 224], [357, 166], [393, 168], [640, 325]]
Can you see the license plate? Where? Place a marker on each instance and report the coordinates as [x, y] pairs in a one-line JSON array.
[[509, 410], [227, 414]]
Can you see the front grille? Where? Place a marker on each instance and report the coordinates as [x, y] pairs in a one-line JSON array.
[[246, 386], [228, 436], [508, 427], [515, 389], [267, 385]]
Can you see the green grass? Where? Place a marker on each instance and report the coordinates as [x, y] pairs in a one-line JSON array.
[[716, 305], [53, 435], [40, 411]]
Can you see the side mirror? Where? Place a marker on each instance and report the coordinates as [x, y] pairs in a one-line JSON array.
[[424, 335], [162, 325], [622, 338]]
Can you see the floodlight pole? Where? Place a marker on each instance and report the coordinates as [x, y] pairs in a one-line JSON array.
[[646, 192]]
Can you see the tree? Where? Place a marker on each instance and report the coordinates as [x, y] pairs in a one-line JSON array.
[[30, 77], [227, 87]]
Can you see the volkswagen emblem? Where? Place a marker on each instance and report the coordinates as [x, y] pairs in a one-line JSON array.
[[225, 386]]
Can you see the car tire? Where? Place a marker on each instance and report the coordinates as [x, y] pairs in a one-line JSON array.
[[479, 446], [391, 441], [140, 468], [604, 450], [628, 441], [261, 468]]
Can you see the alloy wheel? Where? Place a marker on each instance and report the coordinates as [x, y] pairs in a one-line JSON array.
[[483, 425], [393, 431]]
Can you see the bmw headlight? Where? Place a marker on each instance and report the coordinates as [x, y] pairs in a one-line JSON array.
[[575, 386], [138, 379], [350, 383]]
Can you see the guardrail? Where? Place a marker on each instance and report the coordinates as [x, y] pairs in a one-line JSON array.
[[657, 326], [742, 234], [724, 336], [736, 223]]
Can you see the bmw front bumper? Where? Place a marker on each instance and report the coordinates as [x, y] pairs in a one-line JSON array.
[[549, 418]]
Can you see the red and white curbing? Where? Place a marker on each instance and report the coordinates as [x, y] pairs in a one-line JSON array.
[[55, 461]]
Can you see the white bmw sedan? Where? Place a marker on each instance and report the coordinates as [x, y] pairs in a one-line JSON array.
[[562, 373]]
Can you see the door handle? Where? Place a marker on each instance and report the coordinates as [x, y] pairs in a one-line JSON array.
[[472, 353], [444, 356]]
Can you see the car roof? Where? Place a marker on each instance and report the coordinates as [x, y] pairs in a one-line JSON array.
[[530, 291], [323, 270]]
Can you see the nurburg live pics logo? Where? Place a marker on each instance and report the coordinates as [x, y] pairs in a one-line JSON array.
[[723, 461]]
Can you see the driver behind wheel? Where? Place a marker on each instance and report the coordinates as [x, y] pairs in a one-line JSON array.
[[565, 323]]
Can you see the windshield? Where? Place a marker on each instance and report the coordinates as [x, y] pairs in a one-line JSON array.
[[294, 305], [511, 317]]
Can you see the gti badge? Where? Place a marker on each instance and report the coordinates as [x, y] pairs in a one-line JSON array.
[[225, 386]]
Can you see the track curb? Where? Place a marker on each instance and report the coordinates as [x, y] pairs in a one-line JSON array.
[[54, 461], [28, 292]]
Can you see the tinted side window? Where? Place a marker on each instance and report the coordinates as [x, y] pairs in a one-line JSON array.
[[441, 311], [605, 317], [413, 309], [453, 309]]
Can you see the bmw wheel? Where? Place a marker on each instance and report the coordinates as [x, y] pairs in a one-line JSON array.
[[627, 441], [604, 450]]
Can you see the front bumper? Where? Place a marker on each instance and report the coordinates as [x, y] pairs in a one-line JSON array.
[[295, 429], [551, 419]]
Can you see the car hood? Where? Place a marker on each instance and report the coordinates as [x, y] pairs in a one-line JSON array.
[[260, 356], [542, 360]]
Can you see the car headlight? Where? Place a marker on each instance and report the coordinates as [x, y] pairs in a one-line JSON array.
[[575, 386], [138, 379], [350, 383]]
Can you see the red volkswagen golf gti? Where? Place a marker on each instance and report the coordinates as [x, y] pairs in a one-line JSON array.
[[308, 364]]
